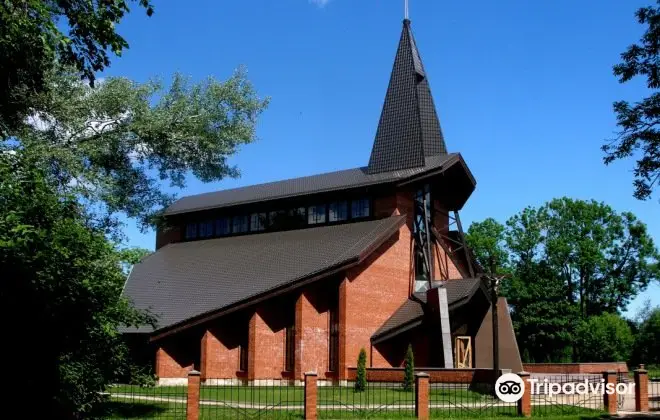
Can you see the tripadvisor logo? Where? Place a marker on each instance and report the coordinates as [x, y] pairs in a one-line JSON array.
[[510, 387]]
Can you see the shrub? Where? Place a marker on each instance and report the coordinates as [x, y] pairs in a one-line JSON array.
[[409, 370], [604, 338], [361, 380]]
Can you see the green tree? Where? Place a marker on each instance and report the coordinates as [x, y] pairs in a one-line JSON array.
[[604, 338], [647, 338], [639, 134], [568, 259], [409, 370], [361, 378], [60, 296], [113, 145], [33, 40], [487, 241]]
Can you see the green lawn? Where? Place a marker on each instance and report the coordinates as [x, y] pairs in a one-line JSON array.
[[130, 402], [119, 410], [326, 395]]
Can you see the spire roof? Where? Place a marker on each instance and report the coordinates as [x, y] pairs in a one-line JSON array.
[[409, 130]]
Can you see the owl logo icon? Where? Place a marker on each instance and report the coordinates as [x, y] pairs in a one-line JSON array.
[[509, 387]]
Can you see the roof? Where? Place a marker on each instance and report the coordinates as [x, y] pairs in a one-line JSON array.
[[332, 181], [409, 129], [183, 281], [408, 142], [411, 313]]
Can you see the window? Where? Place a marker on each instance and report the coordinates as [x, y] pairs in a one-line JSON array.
[[333, 347], [290, 348], [257, 222], [243, 355], [206, 229], [240, 224], [191, 231], [223, 226], [338, 211], [422, 219], [360, 208], [276, 218], [316, 214]]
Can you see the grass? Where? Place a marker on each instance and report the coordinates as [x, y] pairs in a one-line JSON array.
[[124, 410], [333, 402], [280, 395]]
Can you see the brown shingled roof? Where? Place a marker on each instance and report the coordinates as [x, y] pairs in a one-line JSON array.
[[184, 281]]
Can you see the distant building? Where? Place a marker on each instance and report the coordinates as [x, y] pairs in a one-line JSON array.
[[274, 280]]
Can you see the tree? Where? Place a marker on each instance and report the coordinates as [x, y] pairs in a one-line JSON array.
[[32, 41], [604, 338], [361, 378], [486, 239], [568, 259], [114, 144], [60, 297], [639, 122], [647, 339], [409, 370]]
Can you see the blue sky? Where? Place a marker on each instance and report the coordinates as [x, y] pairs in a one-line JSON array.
[[524, 89]]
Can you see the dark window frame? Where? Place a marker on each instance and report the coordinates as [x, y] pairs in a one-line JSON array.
[[345, 214], [218, 221], [243, 350], [290, 348], [333, 338]]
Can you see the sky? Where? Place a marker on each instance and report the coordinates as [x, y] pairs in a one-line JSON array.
[[524, 89]]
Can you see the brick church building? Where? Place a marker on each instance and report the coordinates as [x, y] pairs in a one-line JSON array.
[[273, 280]]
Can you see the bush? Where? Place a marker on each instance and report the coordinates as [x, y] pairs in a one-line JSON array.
[[409, 370], [604, 338], [361, 380], [647, 339]]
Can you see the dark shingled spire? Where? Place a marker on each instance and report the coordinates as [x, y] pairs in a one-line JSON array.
[[409, 130]]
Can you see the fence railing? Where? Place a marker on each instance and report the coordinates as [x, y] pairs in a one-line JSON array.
[[237, 399], [436, 394], [546, 401], [133, 402], [654, 395]]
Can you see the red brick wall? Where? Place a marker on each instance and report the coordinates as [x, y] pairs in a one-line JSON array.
[[171, 364], [461, 376], [575, 367], [265, 345], [312, 334], [377, 287], [220, 354]]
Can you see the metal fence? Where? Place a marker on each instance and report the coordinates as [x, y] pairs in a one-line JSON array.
[[467, 400], [548, 402], [137, 402], [654, 395], [239, 399], [377, 400]]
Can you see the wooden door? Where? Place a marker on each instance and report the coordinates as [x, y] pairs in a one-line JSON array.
[[463, 352]]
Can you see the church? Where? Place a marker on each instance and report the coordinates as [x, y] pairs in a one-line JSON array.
[[270, 281]]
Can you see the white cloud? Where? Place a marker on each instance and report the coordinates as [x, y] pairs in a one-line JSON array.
[[320, 3]]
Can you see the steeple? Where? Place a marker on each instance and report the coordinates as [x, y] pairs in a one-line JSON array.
[[409, 129]]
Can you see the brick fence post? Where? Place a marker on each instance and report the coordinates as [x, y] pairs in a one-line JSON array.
[[525, 402], [422, 395], [641, 389], [310, 396], [610, 400], [192, 409]]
